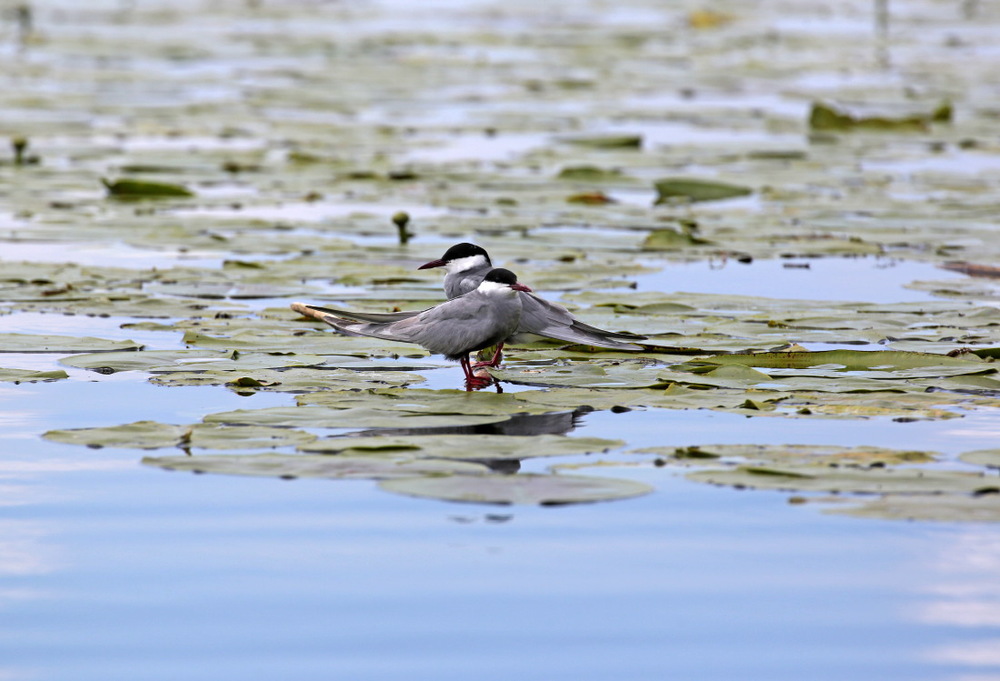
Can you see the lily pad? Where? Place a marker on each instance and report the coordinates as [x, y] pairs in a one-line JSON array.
[[857, 480], [30, 376], [673, 188], [471, 447], [316, 466], [22, 342], [982, 457], [525, 489], [140, 189], [138, 435]]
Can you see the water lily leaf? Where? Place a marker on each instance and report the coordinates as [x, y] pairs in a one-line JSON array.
[[584, 375], [109, 362], [692, 189], [138, 435], [291, 380], [842, 479], [946, 508], [222, 436], [588, 173], [526, 489], [432, 402], [605, 141], [472, 447], [783, 455], [139, 189], [357, 417], [982, 457], [30, 376], [830, 117], [22, 342], [871, 364], [670, 240], [316, 466]]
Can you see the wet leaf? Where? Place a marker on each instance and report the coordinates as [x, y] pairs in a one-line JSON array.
[[30, 376], [982, 457], [138, 435], [692, 189], [139, 189], [316, 466], [21, 342], [524, 489], [472, 447]]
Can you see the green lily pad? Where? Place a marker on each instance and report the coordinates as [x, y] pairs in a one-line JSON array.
[[947, 508], [842, 479], [30, 376], [783, 455], [359, 417], [472, 447], [606, 141], [982, 457], [316, 466], [22, 342], [525, 489], [830, 117], [691, 189], [869, 364], [139, 189], [138, 435]]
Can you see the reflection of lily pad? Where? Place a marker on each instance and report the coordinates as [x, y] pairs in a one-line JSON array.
[[528, 488], [316, 466]]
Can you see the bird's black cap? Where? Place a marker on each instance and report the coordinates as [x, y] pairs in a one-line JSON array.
[[465, 250], [501, 276]]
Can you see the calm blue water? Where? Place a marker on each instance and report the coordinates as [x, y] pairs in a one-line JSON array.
[[112, 570]]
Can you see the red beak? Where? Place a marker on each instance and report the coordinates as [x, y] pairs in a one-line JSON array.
[[432, 263], [520, 287]]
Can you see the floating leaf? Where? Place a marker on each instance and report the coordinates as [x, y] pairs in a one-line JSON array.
[[138, 435], [606, 141], [316, 466], [473, 447], [30, 376], [527, 488], [829, 117], [22, 342], [139, 189], [982, 457], [697, 190]]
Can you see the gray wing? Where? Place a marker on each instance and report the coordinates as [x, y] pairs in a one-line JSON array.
[[541, 318], [452, 329]]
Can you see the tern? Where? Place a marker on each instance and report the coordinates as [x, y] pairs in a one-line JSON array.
[[467, 264], [481, 318]]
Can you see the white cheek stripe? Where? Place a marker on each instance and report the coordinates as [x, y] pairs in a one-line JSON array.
[[469, 263], [493, 286]]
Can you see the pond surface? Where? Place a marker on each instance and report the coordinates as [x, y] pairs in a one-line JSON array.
[[823, 508]]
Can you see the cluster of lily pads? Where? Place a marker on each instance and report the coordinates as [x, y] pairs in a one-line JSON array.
[[584, 157]]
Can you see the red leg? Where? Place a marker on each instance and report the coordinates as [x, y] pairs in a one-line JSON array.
[[495, 361]]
